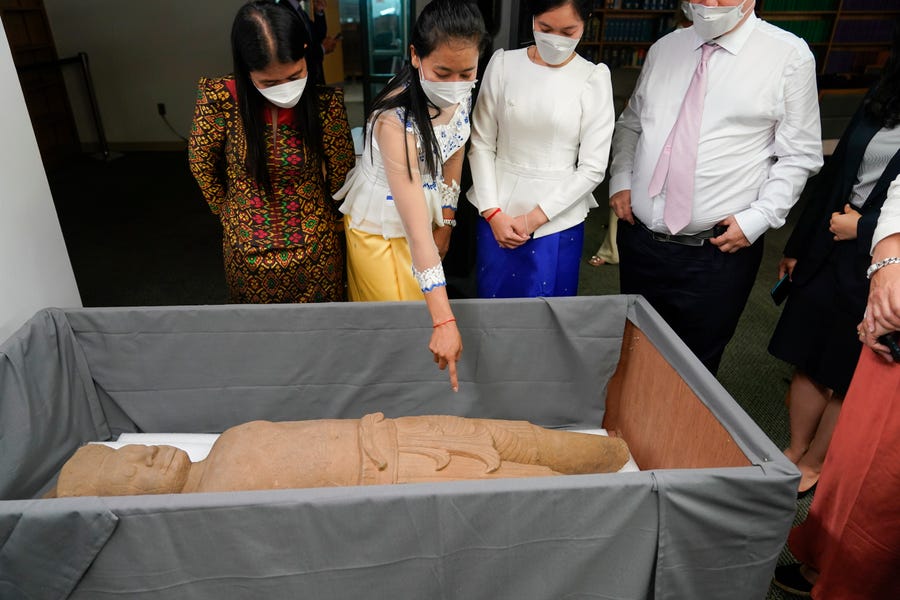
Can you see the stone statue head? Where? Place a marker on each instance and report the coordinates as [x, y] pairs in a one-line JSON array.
[[97, 470]]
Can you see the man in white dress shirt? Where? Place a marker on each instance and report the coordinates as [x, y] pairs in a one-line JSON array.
[[759, 141]]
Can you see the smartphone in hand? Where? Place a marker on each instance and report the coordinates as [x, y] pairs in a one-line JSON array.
[[890, 340], [781, 289]]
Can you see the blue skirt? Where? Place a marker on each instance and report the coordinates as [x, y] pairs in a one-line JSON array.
[[546, 266]]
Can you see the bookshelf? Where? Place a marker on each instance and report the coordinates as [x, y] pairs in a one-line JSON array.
[[850, 39], [620, 31]]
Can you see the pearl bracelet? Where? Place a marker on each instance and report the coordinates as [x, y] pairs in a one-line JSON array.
[[880, 264]]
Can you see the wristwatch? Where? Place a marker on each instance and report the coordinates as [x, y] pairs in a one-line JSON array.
[[450, 222]]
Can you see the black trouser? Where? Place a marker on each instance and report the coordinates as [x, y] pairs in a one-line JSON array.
[[699, 290]]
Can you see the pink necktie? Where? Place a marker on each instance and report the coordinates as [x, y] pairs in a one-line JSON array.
[[678, 159]]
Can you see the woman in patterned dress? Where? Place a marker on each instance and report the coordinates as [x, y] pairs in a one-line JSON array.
[[268, 152], [401, 199]]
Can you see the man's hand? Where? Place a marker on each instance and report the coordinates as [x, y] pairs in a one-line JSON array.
[[733, 239], [843, 225], [620, 202]]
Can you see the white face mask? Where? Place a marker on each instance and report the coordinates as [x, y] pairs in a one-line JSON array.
[[284, 95], [711, 22], [445, 93], [554, 49]]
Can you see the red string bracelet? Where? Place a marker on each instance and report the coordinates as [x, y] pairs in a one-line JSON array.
[[450, 320], [491, 216]]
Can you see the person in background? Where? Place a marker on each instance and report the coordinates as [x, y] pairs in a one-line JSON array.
[[849, 544], [608, 252], [400, 201], [268, 150], [713, 148], [317, 28], [826, 259], [540, 145]]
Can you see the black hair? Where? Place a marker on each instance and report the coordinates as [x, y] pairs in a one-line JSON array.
[[883, 103], [539, 7], [265, 32], [439, 22]]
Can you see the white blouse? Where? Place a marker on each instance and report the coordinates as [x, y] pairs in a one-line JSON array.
[[889, 219], [540, 137], [368, 197], [881, 149]]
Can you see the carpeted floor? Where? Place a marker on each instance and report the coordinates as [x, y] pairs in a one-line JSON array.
[[139, 234]]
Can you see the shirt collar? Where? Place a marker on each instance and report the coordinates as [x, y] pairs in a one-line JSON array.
[[734, 40]]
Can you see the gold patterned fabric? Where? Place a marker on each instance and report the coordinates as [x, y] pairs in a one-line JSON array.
[[286, 246]]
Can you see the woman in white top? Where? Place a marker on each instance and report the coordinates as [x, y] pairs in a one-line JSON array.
[[540, 144], [401, 198]]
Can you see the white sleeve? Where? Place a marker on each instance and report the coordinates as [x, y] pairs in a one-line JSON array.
[[628, 132], [483, 150], [597, 123], [798, 149], [889, 219]]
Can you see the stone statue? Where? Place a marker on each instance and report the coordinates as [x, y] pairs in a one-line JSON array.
[[263, 455]]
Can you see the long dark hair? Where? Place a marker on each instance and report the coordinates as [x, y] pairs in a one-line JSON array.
[[439, 22], [883, 103], [539, 7], [265, 32]]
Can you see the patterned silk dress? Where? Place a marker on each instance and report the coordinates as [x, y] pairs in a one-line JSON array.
[[287, 246]]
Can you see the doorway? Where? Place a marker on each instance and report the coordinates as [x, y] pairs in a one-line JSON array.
[[375, 39], [34, 55]]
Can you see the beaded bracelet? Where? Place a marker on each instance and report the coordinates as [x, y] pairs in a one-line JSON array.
[[450, 320], [880, 264], [492, 215]]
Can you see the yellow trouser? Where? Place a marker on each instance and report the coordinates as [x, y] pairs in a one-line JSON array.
[[378, 269]]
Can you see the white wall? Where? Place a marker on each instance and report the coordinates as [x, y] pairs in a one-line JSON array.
[[142, 53], [34, 266]]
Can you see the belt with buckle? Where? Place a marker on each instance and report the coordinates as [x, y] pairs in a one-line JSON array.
[[694, 239]]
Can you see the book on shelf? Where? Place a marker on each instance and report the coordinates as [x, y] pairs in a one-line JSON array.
[[615, 58], [863, 31], [800, 5], [814, 31], [641, 4], [871, 5], [646, 29], [592, 30]]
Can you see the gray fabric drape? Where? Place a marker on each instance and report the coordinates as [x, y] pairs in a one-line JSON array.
[[71, 376]]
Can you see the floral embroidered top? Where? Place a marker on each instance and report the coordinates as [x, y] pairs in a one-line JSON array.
[[300, 208], [369, 199]]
